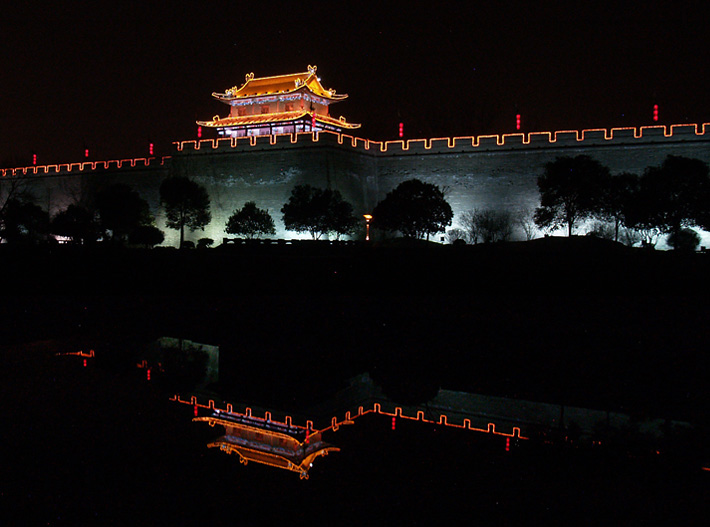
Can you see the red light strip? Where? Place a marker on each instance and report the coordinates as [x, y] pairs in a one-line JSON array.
[[80, 353]]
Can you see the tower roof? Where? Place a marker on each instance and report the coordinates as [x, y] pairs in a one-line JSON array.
[[280, 84], [274, 118]]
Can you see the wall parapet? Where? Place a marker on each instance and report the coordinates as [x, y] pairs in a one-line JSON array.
[[443, 145], [437, 145], [86, 166]]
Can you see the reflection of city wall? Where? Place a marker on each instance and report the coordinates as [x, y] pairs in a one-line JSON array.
[[212, 352], [481, 413], [485, 172]]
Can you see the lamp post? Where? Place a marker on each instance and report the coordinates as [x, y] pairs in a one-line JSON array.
[[367, 217]]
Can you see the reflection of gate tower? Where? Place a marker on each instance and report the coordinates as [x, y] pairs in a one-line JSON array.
[[278, 105], [272, 443]]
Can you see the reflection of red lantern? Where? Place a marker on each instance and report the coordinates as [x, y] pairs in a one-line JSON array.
[[507, 444], [84, 363], [199, 132], [394, 423], [147, 374], [195, 411]]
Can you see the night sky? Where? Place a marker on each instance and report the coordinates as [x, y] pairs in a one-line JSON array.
[[115, 76]]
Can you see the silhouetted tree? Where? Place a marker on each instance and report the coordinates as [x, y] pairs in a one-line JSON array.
[[13, 188], [186, 203], [414, 208], [343, 221], [683, 240], [571, 190], [121, 210], [146, 235], [250, 221], [24, 222], [603, 230], [318, 212], [671, 196], [617, 196], [205, 243], [77, 223]]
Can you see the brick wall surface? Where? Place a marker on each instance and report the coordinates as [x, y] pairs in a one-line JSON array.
[[497, 172]]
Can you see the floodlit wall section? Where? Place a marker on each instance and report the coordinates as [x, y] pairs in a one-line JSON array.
[[497, 172]]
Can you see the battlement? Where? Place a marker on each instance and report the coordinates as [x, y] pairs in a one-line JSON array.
[[86, 166], [436, 145], [441, 145]]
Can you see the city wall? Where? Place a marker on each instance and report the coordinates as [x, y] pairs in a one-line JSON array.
[[496, 172]]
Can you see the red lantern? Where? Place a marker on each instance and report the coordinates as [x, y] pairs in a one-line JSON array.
[[401, 130]]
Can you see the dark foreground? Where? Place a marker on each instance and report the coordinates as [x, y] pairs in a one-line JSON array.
[[87, 447], [574, 322]]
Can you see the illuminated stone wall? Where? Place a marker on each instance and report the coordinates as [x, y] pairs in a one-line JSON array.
[[267, 173], [496, 172], [504, 176]]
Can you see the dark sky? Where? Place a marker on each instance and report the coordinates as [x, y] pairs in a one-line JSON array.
[[115, 76]]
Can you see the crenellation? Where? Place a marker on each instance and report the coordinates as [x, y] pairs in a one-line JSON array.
[[540, 139], [486, 141], [440, 144], [464, 142], [654, 132], [595, 136], [514, 140], [567, 136], [684, 130], [624, 134], [488, 171], [416, 146]]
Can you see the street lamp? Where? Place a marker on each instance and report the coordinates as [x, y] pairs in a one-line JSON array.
[[367, 217]]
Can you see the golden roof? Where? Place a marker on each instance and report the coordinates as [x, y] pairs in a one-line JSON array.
[[270, 118], [279, 84]]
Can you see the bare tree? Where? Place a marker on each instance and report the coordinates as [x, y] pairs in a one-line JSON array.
[[525, 219], [13, 190], [470, 225], [454, 235], [488, 225]]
